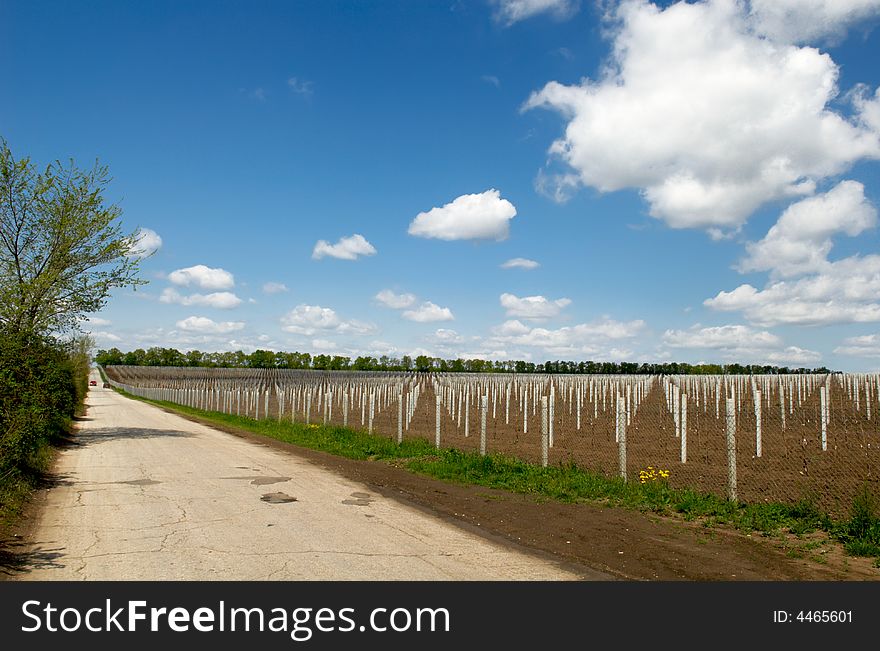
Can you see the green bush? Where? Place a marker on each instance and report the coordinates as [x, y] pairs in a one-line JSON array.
[[39, 394]]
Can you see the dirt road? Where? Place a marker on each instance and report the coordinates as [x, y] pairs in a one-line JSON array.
[[144, 494]]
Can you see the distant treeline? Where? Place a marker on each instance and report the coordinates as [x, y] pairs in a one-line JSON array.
[[270, 359]]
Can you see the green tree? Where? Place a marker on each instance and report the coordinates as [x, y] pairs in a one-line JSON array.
[[61, 246]]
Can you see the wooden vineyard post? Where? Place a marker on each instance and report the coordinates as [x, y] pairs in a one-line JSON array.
[[823, 416], [345, 409], [731, 449], [372, 411], [484, 407], [437, 426], [545, 442], [308, 407]]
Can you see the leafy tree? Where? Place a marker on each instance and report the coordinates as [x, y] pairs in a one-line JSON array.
[[61, 247]]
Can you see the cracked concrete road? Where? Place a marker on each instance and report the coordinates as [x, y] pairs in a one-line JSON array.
[[147, 495]]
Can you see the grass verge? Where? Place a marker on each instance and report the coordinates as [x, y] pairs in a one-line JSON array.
[[860, 534], [17, 485]]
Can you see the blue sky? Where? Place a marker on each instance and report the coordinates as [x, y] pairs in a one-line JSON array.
[[695, 181]]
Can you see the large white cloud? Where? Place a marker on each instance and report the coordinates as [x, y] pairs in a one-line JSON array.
[[847, 291], [310, 319], [800, 240], [209, 326], [395, 301], [145, 243], [532, 307], [468, 217], [861, 346], [740, 343], [708, 119], [804, 21], [203, 277], [728, 336], [512, 11], [428, 312], [578, 340], [347, 248], [219, 300]]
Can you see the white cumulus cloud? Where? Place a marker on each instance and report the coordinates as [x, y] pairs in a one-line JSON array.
[[533, 307], [721, 337], [468, 217], [209, 326], [800, 240], [706, 118], [203, 277], [584, 339], [311, 319], [804, 21], [144, 243], [740, 343], [395, 301], [220, 300], [861, 346], [520, 263], [428, 312], [347, 248], [848, 291]]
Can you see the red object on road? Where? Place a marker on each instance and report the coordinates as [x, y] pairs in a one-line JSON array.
[[93, 383]]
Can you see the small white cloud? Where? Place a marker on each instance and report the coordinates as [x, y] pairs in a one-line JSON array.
[[446, 336], [220, 300], [145, 243], [468, 217], [513, 11], [105, 336], [347, 248], [301, 86], [395, 301], [94, 321], [274, 288], [203, 277], [533, 307], [428, 312], [208, 326], [310, 319], [520, 263], [492, 79]]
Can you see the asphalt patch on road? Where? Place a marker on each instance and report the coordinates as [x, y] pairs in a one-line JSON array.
[[139, 482], [260, 480], [278, 498], [359, 499]]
